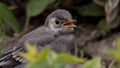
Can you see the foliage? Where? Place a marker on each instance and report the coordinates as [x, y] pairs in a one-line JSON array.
[[8, 17], [94, 63], [35, 7], [91, 9], [47, 58], [115, 54], [102, 27], [95, 10]]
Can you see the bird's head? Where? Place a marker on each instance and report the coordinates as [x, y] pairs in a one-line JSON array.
[[60, 21]]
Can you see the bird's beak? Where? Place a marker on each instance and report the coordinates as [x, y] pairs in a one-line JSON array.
[[68, 25]]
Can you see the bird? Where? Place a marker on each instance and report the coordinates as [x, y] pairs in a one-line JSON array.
[[57, 32]]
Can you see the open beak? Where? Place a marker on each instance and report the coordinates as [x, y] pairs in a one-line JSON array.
[[68, 25]]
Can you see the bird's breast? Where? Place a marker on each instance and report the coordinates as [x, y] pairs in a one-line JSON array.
[[67, 38]]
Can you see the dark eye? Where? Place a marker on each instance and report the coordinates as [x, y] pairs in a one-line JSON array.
[[57, 22]]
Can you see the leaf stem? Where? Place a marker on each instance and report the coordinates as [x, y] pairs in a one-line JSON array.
[[27, 23], [2, 34], [3, 40]]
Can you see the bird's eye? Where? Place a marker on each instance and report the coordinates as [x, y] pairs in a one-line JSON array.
[[57, 22]]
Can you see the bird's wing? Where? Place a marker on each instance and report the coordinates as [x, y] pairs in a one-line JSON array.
[[5, 56], [13, 53], [40, 42]]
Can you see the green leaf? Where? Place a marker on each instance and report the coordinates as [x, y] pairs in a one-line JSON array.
[[94, 63], [37, 65], [59, 65], [67, 59], [43, 54], [117, 46], [48, 58], [51, 57], [102, 26], [35, 7], [91, 10], [8, 17], [2, 25], [114, 54], [32, 54]]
